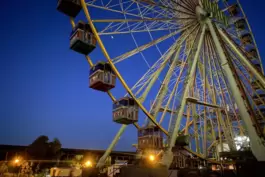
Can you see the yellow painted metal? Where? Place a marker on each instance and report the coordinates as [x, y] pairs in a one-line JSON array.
[[213, 8], [133, 20], [91, 65], [178, 80], [186, 132], [204, 108], [252, 35], [115, 69]]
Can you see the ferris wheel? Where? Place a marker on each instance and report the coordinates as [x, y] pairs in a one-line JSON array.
[[190, 70]]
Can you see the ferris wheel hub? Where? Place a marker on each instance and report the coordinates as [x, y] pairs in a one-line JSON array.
[[201, 14]]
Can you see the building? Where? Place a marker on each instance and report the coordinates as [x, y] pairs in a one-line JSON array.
[[9, 152]]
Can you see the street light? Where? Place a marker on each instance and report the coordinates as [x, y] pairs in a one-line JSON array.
[[151, 158], [16, 160], [88, 163]]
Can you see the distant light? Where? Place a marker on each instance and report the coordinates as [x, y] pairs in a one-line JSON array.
[[16, 160], [112, 37], [241, 141], [231, 167]]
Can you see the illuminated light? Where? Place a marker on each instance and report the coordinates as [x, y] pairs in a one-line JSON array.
[[17, 160], [231, 167], [88, 163], [214, 168], [151, 157], [242, 141]]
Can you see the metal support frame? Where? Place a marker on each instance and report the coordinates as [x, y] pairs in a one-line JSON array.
[[246, 61], [256, 142], [164, 86], [251, 33], [102, 160], [168, 155]]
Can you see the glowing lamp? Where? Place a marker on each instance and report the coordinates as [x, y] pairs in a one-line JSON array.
[[151, 157]]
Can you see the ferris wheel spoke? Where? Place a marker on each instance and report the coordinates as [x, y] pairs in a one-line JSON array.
[[182, 67], [138, 20], [183, 103], [150, 75], [129, 8], [138, 25], [146, 78], [169, 8], [139, 28], [154, 69], [151, 37], [172, 94], [150, 10], [221, 78], [217, 114], [154, 77], [164, 86], [250, 92], [144, 47], [156, 106]]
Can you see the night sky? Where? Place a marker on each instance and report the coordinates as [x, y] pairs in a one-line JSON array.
[[44, 85]]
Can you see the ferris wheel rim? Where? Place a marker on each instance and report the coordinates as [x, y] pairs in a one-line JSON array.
[[244, 16], [251, 32], [119, 76]]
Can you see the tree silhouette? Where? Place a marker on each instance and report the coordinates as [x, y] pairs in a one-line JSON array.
[[41, 148], [38, 148], [54, 150]]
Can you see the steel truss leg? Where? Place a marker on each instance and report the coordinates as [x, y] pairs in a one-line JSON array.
[[256, 143], [246, 61], [164, 87], [102, 160], [168, 155]]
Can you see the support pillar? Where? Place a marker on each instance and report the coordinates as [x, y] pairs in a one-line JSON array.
[[102, 160], [245, 60], [256, 142], [168, 155]]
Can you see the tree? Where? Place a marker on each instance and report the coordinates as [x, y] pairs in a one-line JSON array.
[[55, 149], [42, 149], [38, 148]]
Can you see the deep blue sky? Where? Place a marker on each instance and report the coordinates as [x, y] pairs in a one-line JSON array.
[[44, 85]]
